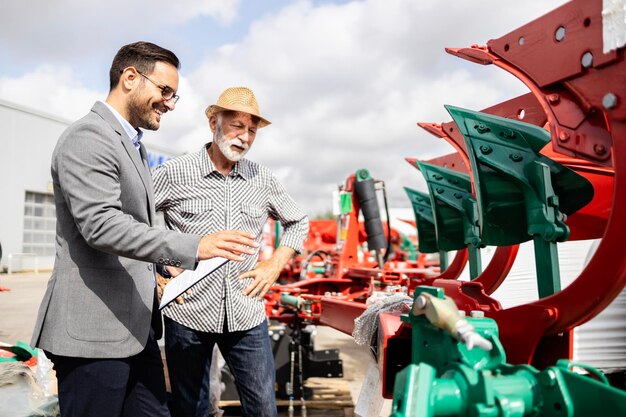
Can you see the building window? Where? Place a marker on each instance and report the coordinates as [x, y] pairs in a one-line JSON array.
[[39, 224]]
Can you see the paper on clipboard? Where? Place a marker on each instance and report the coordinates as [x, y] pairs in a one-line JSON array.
[[188, 279]]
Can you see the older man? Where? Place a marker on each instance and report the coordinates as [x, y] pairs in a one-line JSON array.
[[204, 192]]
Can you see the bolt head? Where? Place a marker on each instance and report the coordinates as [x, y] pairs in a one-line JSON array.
[[587, 60], [559, 35], [609, 101], [553, 98], [599, 149], [551, 377], [508, 134], [549, 313], [481, 128]]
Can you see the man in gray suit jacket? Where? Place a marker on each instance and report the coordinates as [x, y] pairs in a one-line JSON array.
[[98, 320]]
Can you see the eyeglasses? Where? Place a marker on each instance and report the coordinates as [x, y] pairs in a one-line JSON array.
[[166, 92]]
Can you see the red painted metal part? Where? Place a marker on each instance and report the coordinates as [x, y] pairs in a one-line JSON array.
[[589, 222], [348, 256], [554, 72], [340, 314], [453, 161], [457, 265], [468, 295], [312, 289], [393, 348], [581, 126], [499, 267]]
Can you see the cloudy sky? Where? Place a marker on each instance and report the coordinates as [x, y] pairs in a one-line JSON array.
[[344, 82]]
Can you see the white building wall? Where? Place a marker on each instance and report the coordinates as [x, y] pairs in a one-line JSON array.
[[27, 138]]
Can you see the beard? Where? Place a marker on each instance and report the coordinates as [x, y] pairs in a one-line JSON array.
[[141, 114], [225, 145]]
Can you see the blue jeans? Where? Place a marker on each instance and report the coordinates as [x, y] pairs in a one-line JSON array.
[[248, 354]]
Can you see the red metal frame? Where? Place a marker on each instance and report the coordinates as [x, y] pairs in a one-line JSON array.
[[573, 110], [497, 270], [572, 99]]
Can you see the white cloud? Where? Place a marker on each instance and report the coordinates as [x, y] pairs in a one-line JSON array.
[[344, 86], [72, 29], [50, 89]]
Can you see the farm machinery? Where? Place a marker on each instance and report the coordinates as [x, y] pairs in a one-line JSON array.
[[546, 167]]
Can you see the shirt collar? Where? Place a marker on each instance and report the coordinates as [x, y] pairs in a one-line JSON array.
[[135, 135], [240, 168]]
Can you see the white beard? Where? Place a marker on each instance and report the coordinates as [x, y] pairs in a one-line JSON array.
[[225, 146]]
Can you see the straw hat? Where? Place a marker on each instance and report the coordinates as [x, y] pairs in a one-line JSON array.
[[237, 99]]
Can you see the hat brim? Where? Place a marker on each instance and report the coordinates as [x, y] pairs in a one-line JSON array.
[[214, 109]]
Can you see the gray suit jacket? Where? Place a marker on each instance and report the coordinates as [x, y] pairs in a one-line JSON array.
[[99, 299]]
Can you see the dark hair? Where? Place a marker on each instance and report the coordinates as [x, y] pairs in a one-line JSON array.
[[141, 55]]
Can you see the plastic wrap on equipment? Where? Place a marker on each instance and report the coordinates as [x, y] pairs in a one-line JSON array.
[[21, 396], [366, 324]]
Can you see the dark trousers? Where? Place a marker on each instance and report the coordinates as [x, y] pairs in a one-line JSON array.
[[126, 387], [248, 355]]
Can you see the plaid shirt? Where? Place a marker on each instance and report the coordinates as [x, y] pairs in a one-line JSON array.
[[196, 198]]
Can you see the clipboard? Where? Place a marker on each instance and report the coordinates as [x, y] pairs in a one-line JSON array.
[[187, 279]]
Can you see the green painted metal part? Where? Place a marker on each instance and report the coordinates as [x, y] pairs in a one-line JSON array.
[[277, 233], [21, 350], [447, 379], [443, 260], [426, 234], [408, 246], [455, 212], [362, 174], [451, 202], [521, 193]]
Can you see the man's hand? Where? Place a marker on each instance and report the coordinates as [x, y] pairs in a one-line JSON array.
[[267, 272], [162, 282], [229, 244]]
